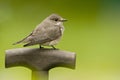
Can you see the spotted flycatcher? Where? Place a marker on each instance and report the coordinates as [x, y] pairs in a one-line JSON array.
[[47, 33]]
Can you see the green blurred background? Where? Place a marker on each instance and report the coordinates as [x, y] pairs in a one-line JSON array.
[[92, 32]]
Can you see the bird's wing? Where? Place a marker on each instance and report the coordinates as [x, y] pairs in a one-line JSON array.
[[44, 34]]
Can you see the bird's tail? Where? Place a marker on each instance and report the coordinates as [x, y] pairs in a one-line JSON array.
[[23, 40], [18, 42]]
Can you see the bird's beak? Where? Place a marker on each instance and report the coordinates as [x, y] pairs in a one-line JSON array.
[[63, 20]]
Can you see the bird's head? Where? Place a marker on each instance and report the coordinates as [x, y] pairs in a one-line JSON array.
[[56, 18]]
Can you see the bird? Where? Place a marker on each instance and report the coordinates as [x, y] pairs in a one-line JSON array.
[[47, 33]]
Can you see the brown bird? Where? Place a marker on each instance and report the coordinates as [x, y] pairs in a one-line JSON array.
[[47, 33]]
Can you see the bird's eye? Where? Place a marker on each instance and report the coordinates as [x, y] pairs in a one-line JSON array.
[[56, 19]]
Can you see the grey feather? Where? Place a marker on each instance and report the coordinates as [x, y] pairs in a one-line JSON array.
[[48, 30]]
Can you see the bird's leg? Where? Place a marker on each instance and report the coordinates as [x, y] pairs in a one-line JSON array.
[[41, 47], [53, 47]]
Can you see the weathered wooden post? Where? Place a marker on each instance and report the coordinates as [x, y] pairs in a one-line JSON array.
[[40, 61]]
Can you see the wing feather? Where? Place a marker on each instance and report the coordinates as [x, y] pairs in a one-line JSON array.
[[43, 34]]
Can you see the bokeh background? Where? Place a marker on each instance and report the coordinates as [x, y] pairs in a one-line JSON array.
[[92, 32]]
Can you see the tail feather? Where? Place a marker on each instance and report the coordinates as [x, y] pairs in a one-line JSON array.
[[28, 44], [18, 42], [25, 45], [23, 39]]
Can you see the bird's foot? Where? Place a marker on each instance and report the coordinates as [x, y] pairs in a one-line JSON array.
[[41, 47], [53, 47]]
